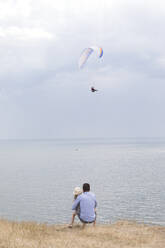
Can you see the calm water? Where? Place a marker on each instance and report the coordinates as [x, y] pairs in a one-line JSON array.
[[37, 179]]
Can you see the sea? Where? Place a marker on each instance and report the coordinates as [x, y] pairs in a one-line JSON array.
[[127, 175]]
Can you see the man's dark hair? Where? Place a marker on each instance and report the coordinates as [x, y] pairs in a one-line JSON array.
[[86, 187]]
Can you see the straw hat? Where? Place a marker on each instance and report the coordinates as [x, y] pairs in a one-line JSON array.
[[77, 191]]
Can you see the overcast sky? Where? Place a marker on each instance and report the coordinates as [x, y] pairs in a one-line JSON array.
[[43, 94]]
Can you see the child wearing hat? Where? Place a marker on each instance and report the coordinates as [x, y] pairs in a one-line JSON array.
[[77, 191]]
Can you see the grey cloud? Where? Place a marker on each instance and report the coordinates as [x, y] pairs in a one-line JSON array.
[[47, 96]]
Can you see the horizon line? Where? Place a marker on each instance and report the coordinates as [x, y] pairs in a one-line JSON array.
[[82, 138]]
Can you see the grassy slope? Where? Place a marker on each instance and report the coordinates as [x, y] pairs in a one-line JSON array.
[[119, 235]]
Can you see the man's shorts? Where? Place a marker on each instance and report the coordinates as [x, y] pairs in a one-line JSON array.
[[86, 222]]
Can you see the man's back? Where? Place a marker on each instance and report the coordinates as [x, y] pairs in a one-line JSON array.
[[87, 203]]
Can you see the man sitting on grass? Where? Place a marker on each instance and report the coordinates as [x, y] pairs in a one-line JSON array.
[[87, 202]]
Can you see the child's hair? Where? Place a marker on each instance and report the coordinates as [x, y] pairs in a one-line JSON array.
[[77, 191]]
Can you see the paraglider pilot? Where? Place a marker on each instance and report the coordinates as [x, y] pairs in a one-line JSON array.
[[93, 89]]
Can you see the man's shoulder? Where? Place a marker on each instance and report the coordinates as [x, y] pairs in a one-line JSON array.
[[86, 194], [91, 194], [80, 196]]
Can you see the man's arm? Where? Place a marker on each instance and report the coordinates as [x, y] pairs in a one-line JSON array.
[[76, 202], [94, 197], [95, 203]]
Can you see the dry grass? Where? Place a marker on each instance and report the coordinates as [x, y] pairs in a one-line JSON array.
[[122, 234]]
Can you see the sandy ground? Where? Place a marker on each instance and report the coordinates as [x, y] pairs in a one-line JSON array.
[[123, 234]]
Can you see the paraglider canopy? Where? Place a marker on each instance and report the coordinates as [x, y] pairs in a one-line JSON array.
[[87, 52]]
